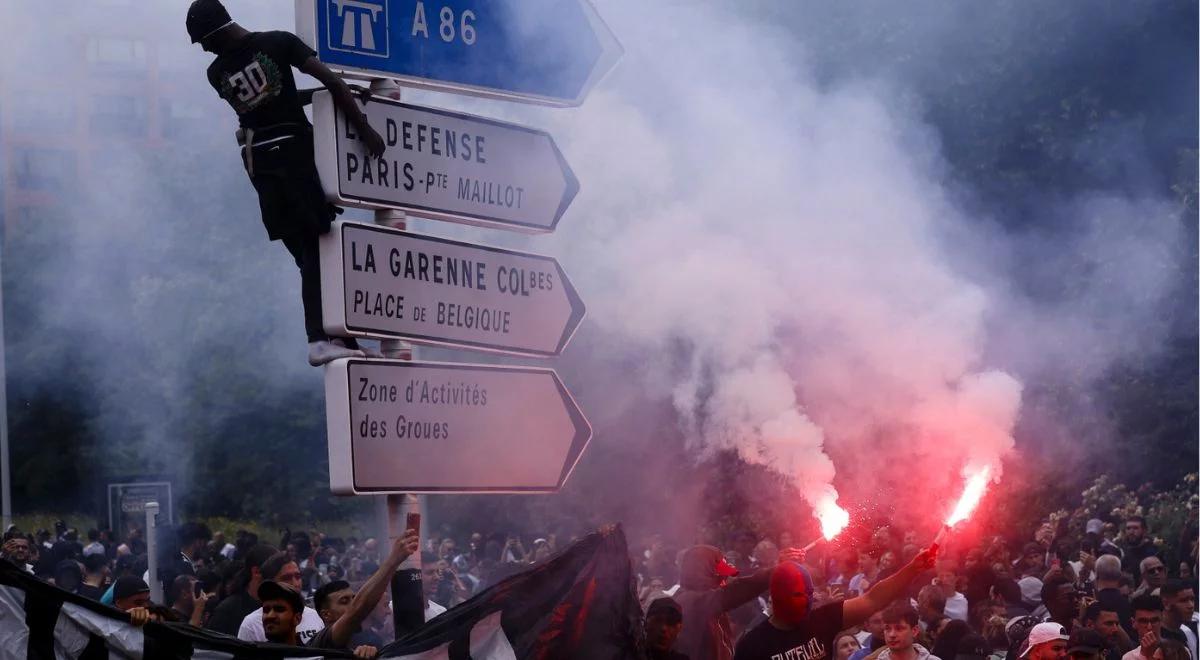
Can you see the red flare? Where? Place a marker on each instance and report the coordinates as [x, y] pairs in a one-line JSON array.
[[833, 518], [972, 493]]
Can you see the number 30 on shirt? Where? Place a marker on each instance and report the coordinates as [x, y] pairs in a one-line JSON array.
[[249, 82]]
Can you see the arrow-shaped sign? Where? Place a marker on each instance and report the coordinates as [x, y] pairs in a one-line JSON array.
[[423, 427], [382, 282], [550, 52], [444, 165]]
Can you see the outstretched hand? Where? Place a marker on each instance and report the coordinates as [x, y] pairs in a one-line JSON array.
[[925, 559], [372, 139], [404, 546]]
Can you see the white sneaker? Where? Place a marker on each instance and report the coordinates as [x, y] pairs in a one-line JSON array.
[[367, 351], [370, 352], [320, 352]]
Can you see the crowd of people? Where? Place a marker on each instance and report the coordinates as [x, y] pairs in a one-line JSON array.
[[248, 588], [1104, 595]]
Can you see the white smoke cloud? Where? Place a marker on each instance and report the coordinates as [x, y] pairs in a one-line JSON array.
[[783, 255], [802, 245]]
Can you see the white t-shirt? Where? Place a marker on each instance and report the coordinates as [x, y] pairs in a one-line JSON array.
[[432, 609], [1191, 640], [251, 629]]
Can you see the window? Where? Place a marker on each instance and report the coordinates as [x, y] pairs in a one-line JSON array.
[[180, 118], [42, 111], [42, 169], [118, 115], [182, 56], [117, 54]]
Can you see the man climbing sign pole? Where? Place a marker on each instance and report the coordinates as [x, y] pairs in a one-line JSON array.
[[253, 72]]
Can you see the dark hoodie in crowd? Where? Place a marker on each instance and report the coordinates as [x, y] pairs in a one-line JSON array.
[[707, 591]]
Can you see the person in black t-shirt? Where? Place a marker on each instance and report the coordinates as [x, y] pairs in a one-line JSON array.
[[343, 610], [253, 73], [796, 631]]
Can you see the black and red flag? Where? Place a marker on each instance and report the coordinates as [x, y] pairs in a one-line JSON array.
[[578, 604]]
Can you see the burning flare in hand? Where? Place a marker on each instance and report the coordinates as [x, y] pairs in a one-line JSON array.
[[972, 493], [970, 497], [833, 518]]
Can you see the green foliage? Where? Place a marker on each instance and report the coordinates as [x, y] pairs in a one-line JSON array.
[[1170, 513], [271, 533], [1172, 517], [1106, 499], [33, 521]]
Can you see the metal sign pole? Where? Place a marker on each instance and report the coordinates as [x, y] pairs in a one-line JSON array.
[[408, 599], [5, 456], [156, 590]]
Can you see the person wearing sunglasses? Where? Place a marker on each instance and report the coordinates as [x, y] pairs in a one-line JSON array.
[[1154, 576]]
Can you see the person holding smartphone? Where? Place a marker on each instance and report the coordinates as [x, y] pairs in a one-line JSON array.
[[188, 598], [343, 610]]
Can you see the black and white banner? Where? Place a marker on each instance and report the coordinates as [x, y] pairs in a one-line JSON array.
[[579, 604]]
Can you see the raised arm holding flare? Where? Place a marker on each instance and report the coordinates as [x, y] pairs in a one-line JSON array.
[[795, 629]]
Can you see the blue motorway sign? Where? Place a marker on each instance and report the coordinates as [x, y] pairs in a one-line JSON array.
[[538, 51]]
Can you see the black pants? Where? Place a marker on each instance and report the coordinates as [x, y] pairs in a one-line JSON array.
[[304, 248], [295, 212]]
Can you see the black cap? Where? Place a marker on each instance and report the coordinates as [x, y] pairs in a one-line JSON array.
[[1085, 640], [205, 17], [666, 608], [129, 585], [272, 590]]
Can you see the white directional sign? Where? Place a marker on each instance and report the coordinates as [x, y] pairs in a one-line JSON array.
[[382, 282], [423, 427], [444, 165]]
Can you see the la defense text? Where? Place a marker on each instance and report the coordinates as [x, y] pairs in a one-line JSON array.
[[428, 138]]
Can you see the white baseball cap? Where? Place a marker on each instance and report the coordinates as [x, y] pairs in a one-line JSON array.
[[1047, 631]]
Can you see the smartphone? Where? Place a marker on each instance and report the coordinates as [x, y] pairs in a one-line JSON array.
[[197, 589], [413, 521]]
